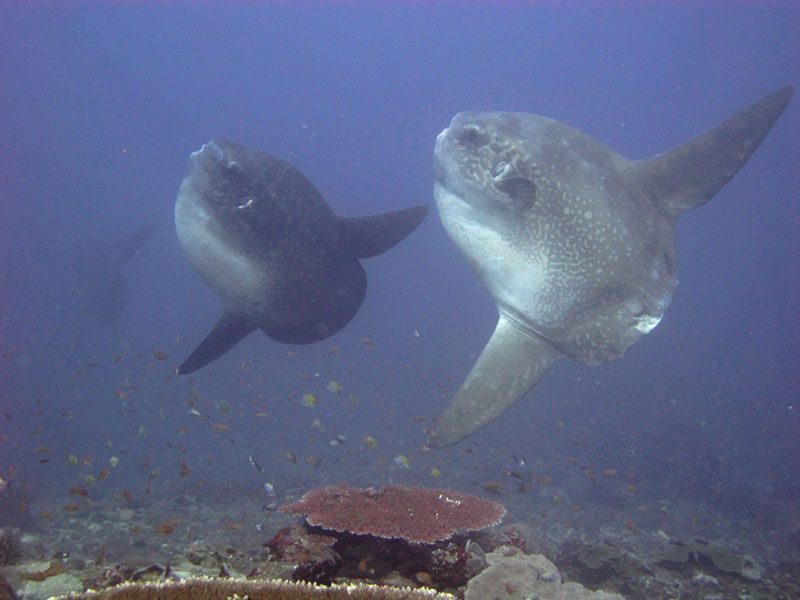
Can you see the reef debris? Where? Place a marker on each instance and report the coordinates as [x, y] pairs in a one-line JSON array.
[[410, 513]]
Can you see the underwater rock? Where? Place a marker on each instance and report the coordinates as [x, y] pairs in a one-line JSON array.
[[476, 562], [6, 591], [595, 564], [723, 559], [57, 585], [513, 575], [519, 535]]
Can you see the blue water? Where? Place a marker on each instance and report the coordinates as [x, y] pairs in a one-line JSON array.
[[102, 105]]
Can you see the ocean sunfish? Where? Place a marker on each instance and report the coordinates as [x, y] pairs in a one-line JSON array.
[[260, 234], [574, 242], [98, 263]]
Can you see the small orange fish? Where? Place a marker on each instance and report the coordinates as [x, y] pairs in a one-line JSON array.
[[161, 355], [424, 578], [492, 486], [166, 528], [72, 506], [127, 495], [45, 514], [547, 479], [185, 470], [629, 524], [120, 394], [78, 491], [292, 458], [41, 449], [103, 474], [219, 426], [368, 342], [88, 459]]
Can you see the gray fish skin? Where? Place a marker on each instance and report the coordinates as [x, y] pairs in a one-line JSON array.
[[574, 242], [262, 237]]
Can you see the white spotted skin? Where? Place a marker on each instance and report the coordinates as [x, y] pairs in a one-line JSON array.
[[588, 264]]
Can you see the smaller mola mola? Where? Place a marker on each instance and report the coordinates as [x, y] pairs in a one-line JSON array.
[[260, 235]]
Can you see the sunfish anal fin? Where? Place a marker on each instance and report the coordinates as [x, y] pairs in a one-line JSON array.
[[231, 328], [509, 366]]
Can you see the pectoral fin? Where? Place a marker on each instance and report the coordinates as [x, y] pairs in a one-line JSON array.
[[230, 330], [509, 366]]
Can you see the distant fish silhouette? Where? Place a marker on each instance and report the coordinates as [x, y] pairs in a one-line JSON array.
[[98, 264], [261, 235]]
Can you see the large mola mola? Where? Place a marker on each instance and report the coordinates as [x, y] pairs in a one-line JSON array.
[[261, 235], [574, 242]]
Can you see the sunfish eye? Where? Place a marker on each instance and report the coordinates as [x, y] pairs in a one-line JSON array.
[[247, 202], [472, 137], [500, 168]]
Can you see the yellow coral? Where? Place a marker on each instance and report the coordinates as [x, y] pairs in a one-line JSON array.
[[203, 588]]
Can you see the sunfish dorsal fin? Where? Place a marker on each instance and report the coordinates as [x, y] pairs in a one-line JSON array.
[[131, 243], [689, 175], [231, 328], [509, 366], [375, 234]]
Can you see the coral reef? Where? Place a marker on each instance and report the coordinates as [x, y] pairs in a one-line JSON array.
[[317, 561], [6, 591], [10, 549], [514, 575], [414, 514], [201, 588]]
